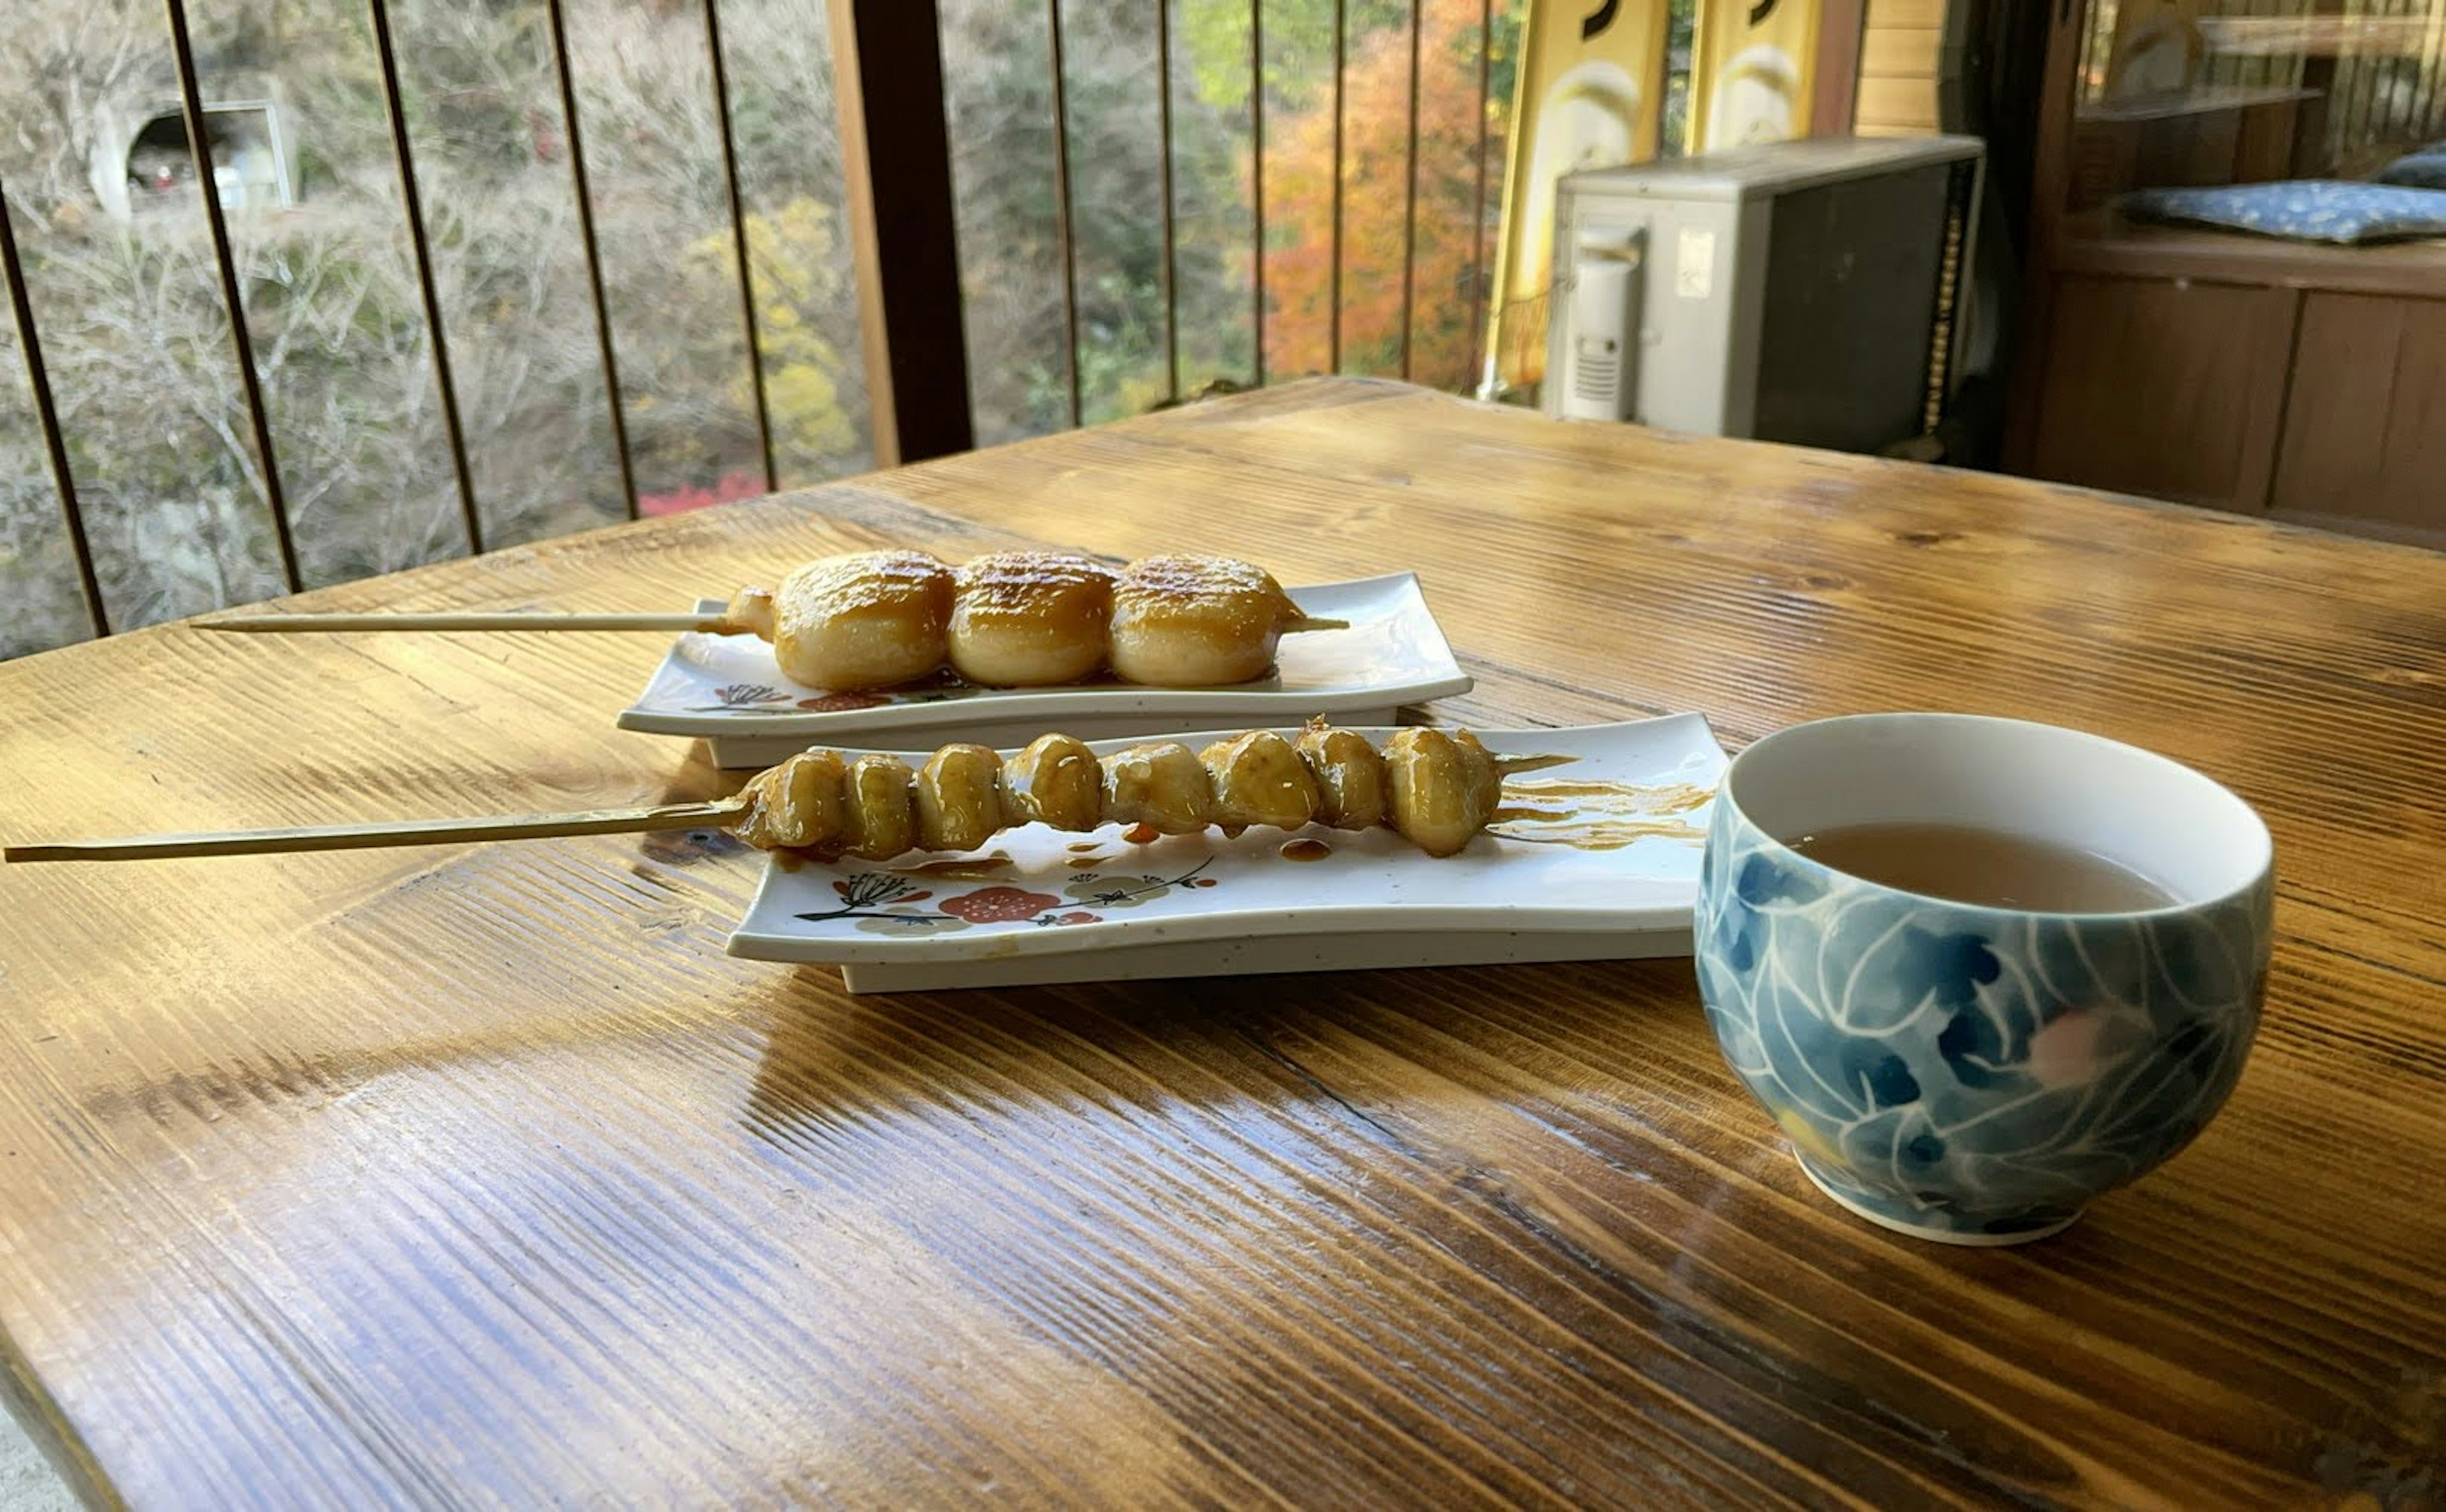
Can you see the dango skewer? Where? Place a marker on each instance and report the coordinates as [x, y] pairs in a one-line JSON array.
[[869, 619], [1435, 789]]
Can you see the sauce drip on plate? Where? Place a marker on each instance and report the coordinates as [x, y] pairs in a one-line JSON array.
[[1598, 816]]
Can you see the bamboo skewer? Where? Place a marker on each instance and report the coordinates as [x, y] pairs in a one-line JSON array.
[[709, 624], [282, 623], [720, 812]]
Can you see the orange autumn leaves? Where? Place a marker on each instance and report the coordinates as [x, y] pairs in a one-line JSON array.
[[1375, 176]]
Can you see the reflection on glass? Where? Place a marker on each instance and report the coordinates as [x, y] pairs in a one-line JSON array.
[[2180, 93]]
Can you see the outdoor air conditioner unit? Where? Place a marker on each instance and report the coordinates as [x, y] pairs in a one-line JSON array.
[[1801, 291]]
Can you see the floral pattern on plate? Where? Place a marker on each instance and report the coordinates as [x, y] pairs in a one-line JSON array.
[[762, 697], [885, 902]]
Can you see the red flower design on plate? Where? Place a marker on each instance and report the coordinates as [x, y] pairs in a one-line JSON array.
[[1073, 916], [998, 904], [840, 702]]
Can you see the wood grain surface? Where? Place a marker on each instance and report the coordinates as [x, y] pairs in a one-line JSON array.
[[481, 1176]]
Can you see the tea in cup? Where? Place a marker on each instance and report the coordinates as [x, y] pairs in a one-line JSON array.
[[1979, 970]]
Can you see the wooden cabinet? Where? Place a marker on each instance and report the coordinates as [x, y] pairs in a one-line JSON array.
[[2168, 388], [2246, 372], [2364, 437]]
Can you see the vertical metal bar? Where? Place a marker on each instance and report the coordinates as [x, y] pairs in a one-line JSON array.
[[2433, 63], [2420, 106], [594, 256], [1341, 61], [2357, 113], [192, 101], [1410, 203], [2406, 59], [2382, 80], [442, 380], [1063, 231], [1478, 222], [1257, 175], [2392, 113], [1163, 130], [2433, 67], [2368, 68], [2417, 68], [739, 243], [54, 441], [2402, 70]]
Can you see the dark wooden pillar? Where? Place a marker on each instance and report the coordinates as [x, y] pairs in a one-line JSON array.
[[897, 161]]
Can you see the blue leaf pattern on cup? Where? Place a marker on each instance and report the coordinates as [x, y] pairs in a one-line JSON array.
[[1965, 1070]]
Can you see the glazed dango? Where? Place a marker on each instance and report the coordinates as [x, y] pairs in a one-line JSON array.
[[1434, 788], [1020, 618]]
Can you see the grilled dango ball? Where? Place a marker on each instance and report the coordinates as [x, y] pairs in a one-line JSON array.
[[1029, 619], [1195, 621], [868, 620]]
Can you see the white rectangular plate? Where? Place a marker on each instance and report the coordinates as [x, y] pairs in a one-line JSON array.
[[726, 688], [1205, 905]]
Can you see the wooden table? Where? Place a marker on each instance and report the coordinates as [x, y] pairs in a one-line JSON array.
[[482, 1175]]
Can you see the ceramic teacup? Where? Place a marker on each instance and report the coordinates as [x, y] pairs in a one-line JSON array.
[[1971, 1074]]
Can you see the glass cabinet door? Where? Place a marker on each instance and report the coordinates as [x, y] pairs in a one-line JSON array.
[[2238, 287]]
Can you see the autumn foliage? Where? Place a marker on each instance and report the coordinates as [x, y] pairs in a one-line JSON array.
[[1450, 238]]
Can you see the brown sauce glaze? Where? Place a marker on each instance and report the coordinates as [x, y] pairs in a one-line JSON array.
[[1664, 798], [960, 869], [1589, 816]]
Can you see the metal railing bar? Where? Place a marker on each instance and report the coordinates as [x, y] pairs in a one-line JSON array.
[[1163, 135], [1062, 230], [1257, 178], [1410, 203], [2357, 109], [55, 439], [2435, 68], [593, 254], [2420, 100], [2432, 68], [739, 243], [1478, 221], [2406, 68], [2383, 77], [2414, 71], [2368, 80], [444, 382], [1333, 297], [2408, 79], [191, 101]]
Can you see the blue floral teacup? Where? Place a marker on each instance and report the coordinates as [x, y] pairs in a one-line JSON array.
[[1971, 1074]]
